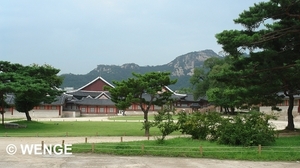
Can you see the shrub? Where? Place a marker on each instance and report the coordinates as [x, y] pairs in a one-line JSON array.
[[181, 122], [164, 121], [248, 129], [199, 125]]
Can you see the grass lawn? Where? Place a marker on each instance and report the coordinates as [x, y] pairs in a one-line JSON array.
[[77, 128], [135, 117], [285, 149], [13, 119]]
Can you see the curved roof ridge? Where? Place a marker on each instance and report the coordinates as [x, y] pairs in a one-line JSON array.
[[99, 77]]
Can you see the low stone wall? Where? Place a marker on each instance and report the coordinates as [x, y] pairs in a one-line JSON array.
[[72, 114]]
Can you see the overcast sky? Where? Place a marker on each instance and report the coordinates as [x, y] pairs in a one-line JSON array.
[[77, 35]]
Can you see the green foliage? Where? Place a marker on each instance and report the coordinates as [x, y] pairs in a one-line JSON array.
[[199, 125], [145, 90], [31, 85], [200, 79], [200, 82], [164, 121], [34, 85], [247, 130], [146, 126], [182, 119], [184, 90], [131, 91], [271, 36]]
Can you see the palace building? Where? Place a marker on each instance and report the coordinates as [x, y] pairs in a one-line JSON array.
[[92, 100]]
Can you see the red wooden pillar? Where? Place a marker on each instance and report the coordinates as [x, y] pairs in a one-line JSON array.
[[59, 110], [12, 111]]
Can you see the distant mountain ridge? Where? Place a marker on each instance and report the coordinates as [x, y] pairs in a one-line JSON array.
[[181, 68]]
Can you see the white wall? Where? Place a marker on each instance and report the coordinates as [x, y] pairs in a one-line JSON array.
[[282, 115], [33, 114]]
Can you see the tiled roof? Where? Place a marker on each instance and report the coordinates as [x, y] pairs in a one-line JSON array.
[[61, 99], [190, 97], [103, 94], [170, 90], [81, 93], [91, 101], [93, 82], [178, 96], [10, 99]]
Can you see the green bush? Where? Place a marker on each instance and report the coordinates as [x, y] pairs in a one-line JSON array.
[[199, 125], [182, 119], [247, 130], [164, 121]]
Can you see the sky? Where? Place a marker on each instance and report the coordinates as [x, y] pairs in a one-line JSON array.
[[77, 35]]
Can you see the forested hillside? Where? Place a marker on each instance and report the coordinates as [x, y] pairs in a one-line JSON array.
[[181, 68]]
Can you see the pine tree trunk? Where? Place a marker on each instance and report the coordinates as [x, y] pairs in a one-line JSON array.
[[2, 114], [27, 116], [232, 110], [2, 107], [147, 127], [226, 110], [290, 125]]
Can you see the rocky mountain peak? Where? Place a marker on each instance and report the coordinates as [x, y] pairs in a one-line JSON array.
[[185, 64], [181, 68], [130, 66]]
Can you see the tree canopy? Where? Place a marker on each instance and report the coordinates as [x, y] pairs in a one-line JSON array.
[[200, 80], [271, 38], [143, 89], [7, 72], [31, 85]]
